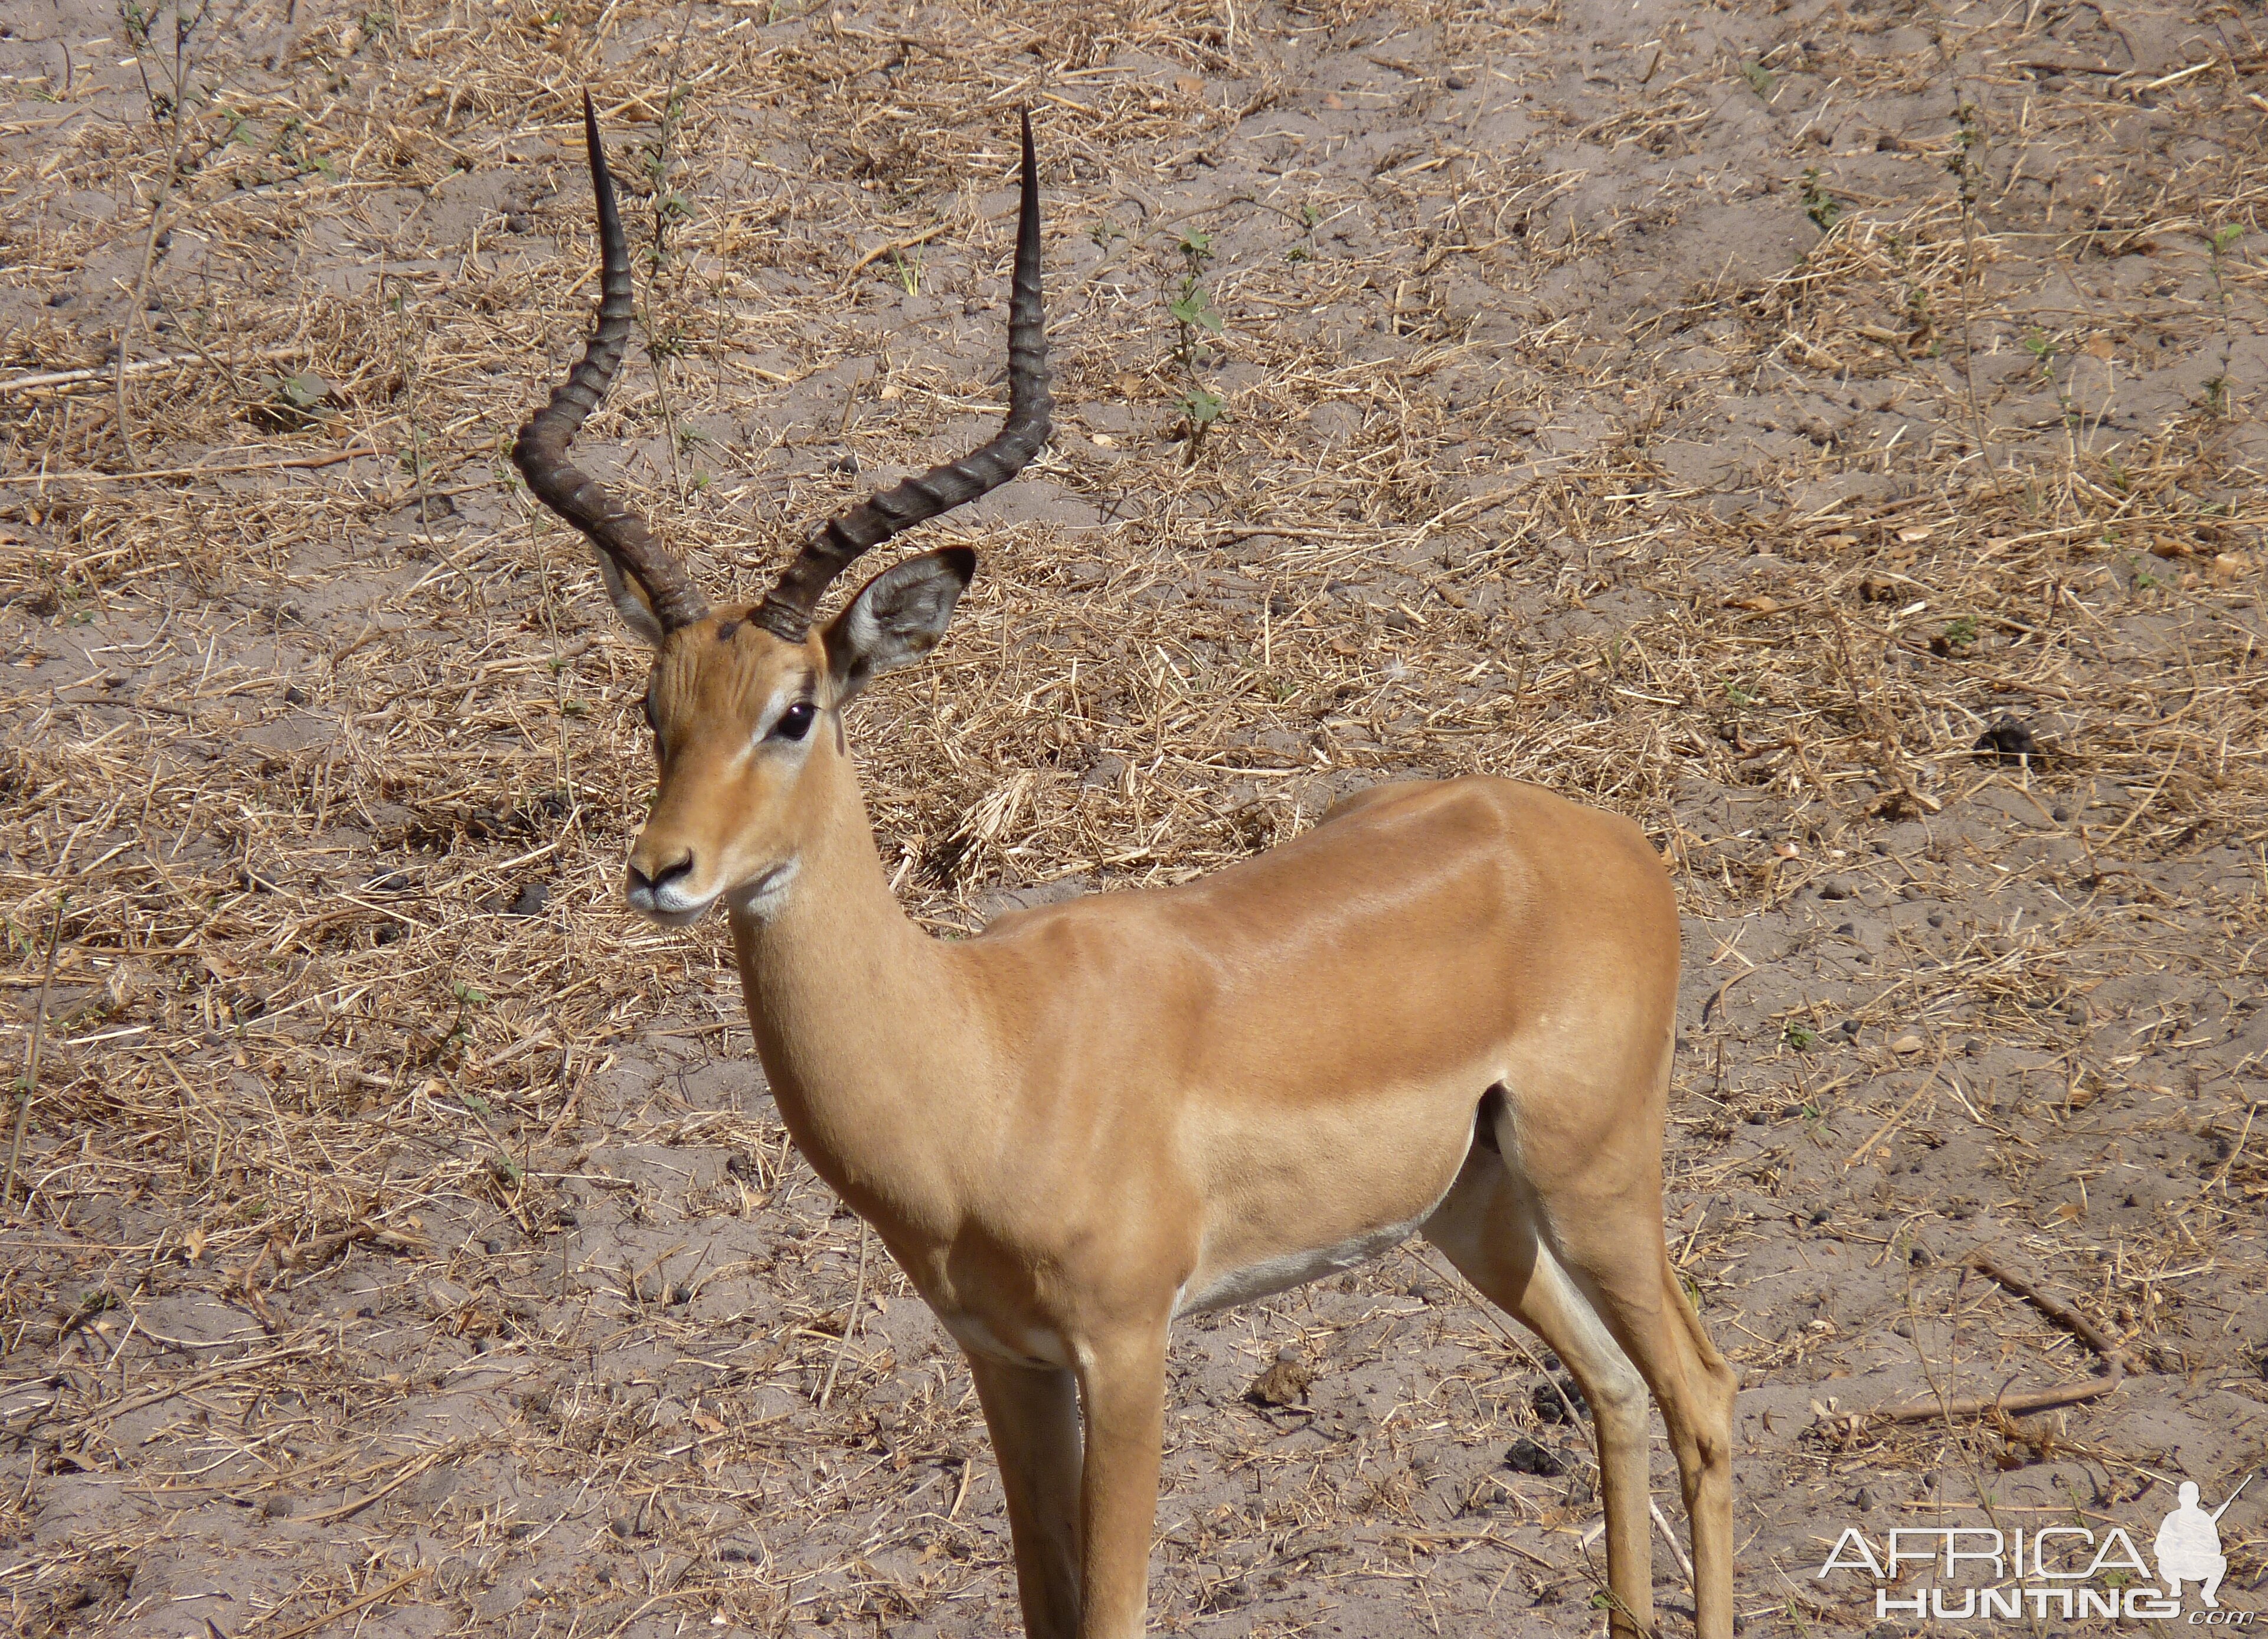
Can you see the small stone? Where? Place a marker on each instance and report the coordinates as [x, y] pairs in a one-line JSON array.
[[533, 897], [1906, 1045], [2006, 740], [1850, 1026], [1526, 1456], [1456, 81], [275, 1506], [515, 222], [1866, 1499], [1834, 887], [295, 695], [1284, 1383]]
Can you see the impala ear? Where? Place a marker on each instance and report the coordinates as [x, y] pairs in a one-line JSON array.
[[897, 618], [629, 598]]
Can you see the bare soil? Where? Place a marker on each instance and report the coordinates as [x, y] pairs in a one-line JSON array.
[[1726, 415]]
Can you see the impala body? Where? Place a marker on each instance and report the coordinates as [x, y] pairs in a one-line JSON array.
[[1448, 1010]]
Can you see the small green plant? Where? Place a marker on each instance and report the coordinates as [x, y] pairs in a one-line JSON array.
[[2043, 347], [1202, 407], [908, 269], [1961, 632], [1799, 1035], [1103, 230], [1966, 166], [293, 403], [1310, 218], [2216, 388], [1192, 310], [1759, 78], [1818, 204], [1739, 698], [467, 998]]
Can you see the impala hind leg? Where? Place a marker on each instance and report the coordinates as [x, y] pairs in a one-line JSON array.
[[1623, 1269], [1489, 1232], [1034, 1422]]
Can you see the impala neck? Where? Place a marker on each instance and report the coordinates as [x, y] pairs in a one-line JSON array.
[[851, 1005]]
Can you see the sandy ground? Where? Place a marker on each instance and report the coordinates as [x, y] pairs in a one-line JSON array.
[[1726, 415]]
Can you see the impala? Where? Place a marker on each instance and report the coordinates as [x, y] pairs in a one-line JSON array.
[[1446, 1009]]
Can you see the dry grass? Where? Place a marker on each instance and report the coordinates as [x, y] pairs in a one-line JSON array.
[[349, 706]]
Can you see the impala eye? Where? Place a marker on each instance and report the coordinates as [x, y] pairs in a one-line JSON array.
[[795, 722]]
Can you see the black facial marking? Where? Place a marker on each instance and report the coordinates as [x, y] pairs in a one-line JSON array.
[[725, 629]]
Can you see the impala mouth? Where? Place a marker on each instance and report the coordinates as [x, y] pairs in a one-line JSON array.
[[666, 906]]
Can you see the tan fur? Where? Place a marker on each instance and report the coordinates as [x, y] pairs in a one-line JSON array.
[[1100, 1111]]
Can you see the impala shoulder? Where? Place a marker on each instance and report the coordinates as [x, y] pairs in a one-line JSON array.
[[1072, 935]]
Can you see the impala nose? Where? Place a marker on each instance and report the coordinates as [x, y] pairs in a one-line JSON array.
[[643, 889]]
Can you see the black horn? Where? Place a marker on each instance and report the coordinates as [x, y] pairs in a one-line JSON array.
[[541, 450], [787, 610]]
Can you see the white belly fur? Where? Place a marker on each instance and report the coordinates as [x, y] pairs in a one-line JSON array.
[[1291, 1269]]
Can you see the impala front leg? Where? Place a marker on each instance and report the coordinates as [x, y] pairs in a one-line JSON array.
[[1122, 1384], [1034, 1417]]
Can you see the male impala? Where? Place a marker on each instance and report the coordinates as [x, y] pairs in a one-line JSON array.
[[1445, 1011]]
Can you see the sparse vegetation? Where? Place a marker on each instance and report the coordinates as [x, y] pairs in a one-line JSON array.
[[389, 1202]]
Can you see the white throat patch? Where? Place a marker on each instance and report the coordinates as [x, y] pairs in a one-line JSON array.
[[766, 896]]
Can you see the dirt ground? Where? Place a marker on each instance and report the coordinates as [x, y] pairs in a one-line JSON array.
[[1728, 415]]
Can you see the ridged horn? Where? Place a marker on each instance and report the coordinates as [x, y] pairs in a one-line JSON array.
[[786, 611], [540, 451]]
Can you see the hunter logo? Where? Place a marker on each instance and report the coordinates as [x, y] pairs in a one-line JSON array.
[[2189, 1545], [2069, 1572]]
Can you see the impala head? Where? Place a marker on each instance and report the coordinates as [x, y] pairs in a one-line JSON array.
[[745, 704]]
